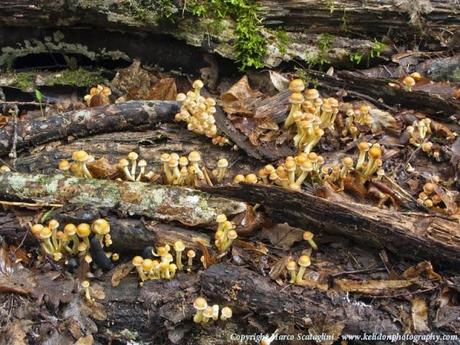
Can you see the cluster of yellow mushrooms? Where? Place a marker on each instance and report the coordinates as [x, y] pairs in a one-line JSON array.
[[430, 196], [167, 266], [73, 239], [206, 313], [101, 92], [297, 276], [198, 112], [225, 233], [294, 170], [78, 166]]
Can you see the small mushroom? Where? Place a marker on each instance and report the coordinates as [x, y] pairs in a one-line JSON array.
[[200, 305], [190, 255], [226, 313], [308, 236], [304, 262], [179, 247]]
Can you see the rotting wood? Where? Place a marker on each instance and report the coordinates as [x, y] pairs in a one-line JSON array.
[[424, 236], [135, 115], [163, 203]]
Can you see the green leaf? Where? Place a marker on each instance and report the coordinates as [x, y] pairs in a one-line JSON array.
[[38, 95]]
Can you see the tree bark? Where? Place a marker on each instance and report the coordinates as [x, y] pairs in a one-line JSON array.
[[134, 115], [407, 235], [169, 204]]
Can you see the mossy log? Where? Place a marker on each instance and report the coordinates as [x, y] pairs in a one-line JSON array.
[[353, 24], [169, 204], [133, 115], [414, 235]]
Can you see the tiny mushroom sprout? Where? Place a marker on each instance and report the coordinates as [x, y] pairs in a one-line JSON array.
[[123, 166], [304, 262], [292, 267], [86, 286], [101, 228], [408, 83], [207, 314], [179, 247], [200, 305], [308, 236], [137, 262], [226, 313], [221, 170], [190, 255]]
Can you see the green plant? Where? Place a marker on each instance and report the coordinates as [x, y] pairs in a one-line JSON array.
[[377, 48], [356, 57], [250, 43], [39, 97], [282, 40]]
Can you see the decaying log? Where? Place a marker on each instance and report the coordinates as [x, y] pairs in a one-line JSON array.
[[171, 204], [407, 235], [430, 104], [112, 118], [305, 21]]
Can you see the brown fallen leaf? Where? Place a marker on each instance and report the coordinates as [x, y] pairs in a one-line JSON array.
[[371, 287], [165, 89], [134, 81], [419, 314], [282, 235], [416, 271], [239, 98], [120, 272], [14, 277], [101, 168], [15, 333]]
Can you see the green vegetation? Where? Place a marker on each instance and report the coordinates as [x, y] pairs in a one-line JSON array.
[[79, 77], [39, 97], [321, 57], [377, 48], [282, 40], [150, 11]]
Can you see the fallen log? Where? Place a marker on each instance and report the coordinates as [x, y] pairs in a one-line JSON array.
[[424, 236], [134, 115], [170, 204]]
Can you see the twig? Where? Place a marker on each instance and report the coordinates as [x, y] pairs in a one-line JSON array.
[[13, 153], [28, 204]]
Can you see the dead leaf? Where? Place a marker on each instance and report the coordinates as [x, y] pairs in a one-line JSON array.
[[165, 89], [134, 81], [101, 168], [279, 267], [248, 222], [14, 277], [419, 314], [282, 235], [239, 99], [120, 272], [371, 287], [416, 271], [279, 81], [16, 333]]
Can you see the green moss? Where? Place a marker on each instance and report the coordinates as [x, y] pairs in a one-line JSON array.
[[456, 75], [150, 11], [282, 40], [79, 78], [321, 56]]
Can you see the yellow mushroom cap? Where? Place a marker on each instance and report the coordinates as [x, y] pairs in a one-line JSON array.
[[250, 178], [347, 161], [162, 251], [147, 264], [64, 164], [427, 146], [85, 284], [200, 304], [232, 234], [194, 157], [80, 156], [297, 85], [375, 152], [165, 157], [296, 98], [191, 253], [429, 188], [45, 233], [290, 165], [307, 235], [36, 229], [304, 261], [409, 81], [221, 218], [239, 178], [208, 312], [132, 156], [122, 163], [269, 168], [179, 246], [363, 146], [181, 97], [417, 76], [83, 230], [311, 94], [428, 203], [291, 265], [183, 161], [226, 312], [101, 226], [197, 84], [142, 163], [222, 163], [70, 229], [137, 261], [53, 224]]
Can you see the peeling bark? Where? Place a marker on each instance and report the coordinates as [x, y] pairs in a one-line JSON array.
[[187, 206]]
